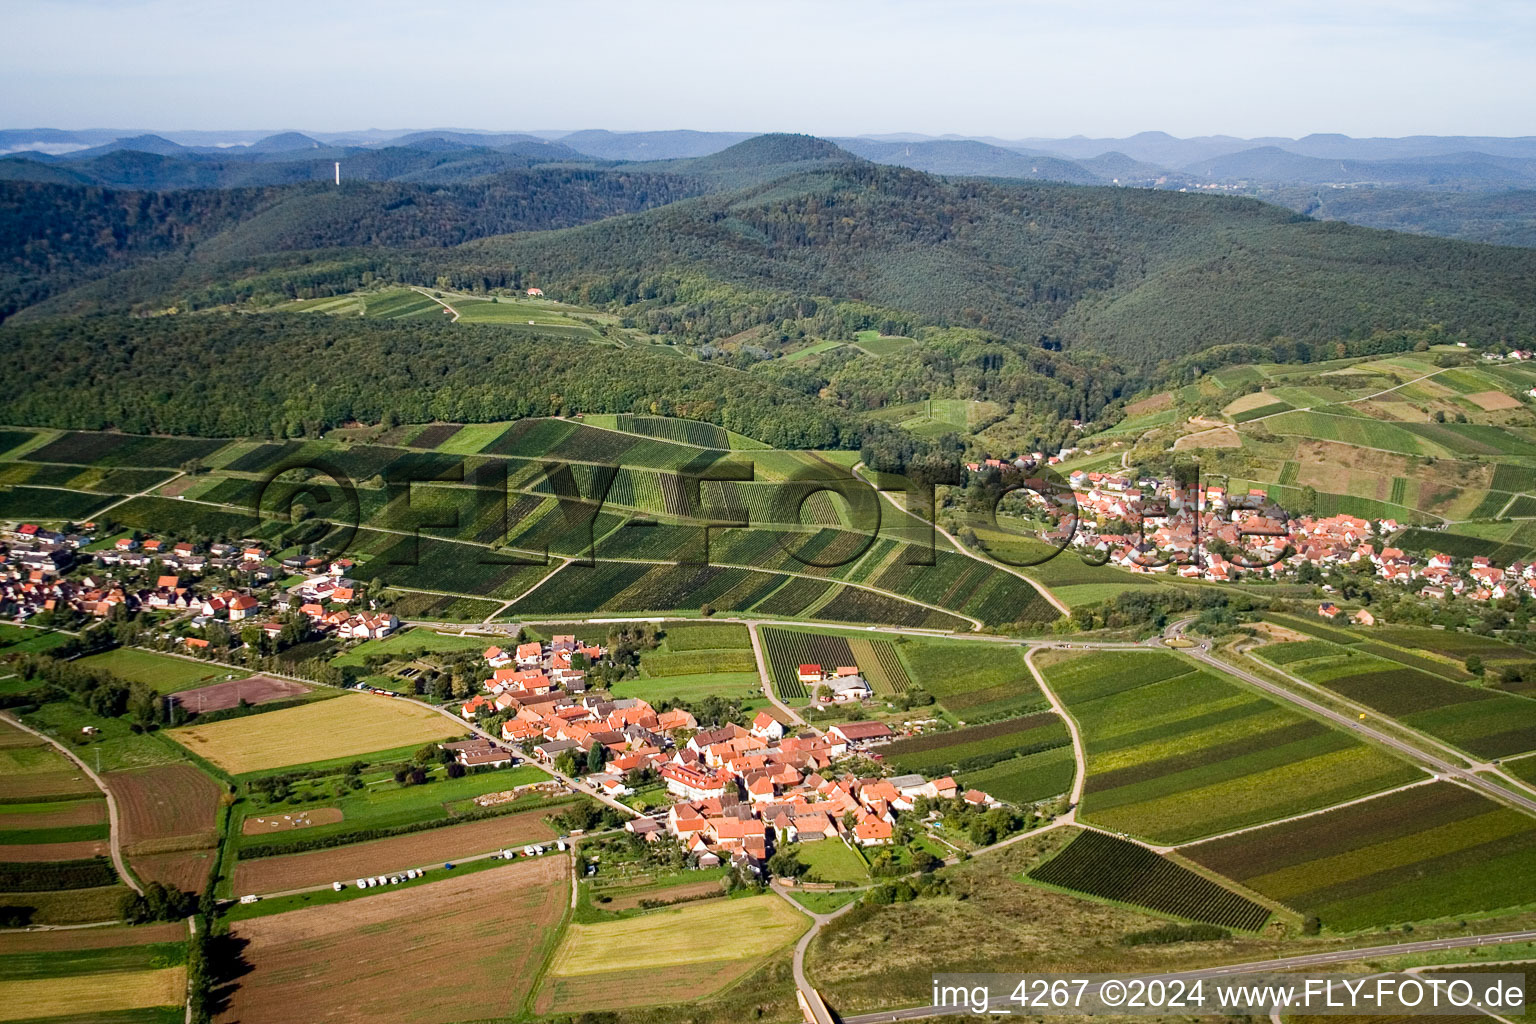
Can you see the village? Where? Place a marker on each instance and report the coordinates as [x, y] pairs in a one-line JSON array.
[[48, 573], [736, 792], [1148, 524]]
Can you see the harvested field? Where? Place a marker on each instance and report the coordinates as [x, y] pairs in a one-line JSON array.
[[381, 856], [266, 824], [331, 960], [741, 930], [1156, 403], [344, 726], [171, 800], [31, 853], [1491, 401], [257, 689], [91, 938], [10, 736], [1217, 437], [188, 870], [90, 995], [42, 784], [615, 990]]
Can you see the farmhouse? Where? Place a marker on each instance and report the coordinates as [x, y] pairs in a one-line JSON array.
[[861, 734]]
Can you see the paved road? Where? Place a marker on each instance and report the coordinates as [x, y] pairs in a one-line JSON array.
[[1337, 956], [766, 678], [114, 825], [808, 993]]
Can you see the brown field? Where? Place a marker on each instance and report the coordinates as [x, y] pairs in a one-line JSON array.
[[670, 892], [1254, 400], [381, 856], [171, 800], [187, 870], [289, 822], [344, 726], [1216, 437], [257, 689], [79, 812], [342, 963], [30, 853], [91, 938], [1153, 404], [1491, 401], [85, 996]]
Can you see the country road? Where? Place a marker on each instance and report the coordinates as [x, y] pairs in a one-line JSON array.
[[1337, 956]]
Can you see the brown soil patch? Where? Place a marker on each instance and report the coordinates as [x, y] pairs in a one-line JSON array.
[[1153, 404], [341, 963], [1217, 437], [170, 800], [1277, 632], [91, 938], [187, 871], [1253, 400], [288, 822], [85, 812], [1494, 400], [31, 853], [671, 892], [381, 856], [252, 690]]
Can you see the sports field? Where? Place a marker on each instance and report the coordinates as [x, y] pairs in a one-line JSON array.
[[1175, 753], [346, 726]]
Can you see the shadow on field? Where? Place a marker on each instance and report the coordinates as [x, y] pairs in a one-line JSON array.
[[226, 958]]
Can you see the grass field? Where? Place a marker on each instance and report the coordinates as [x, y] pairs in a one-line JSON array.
[[832, 860], [1431, 851], [346, 726], [410, 640], [1175, 753], [666, 956], [166, 674]]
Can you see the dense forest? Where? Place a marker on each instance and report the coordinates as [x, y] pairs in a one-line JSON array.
[[53, 236], [293, 375]]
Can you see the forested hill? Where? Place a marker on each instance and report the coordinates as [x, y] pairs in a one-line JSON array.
[[227, 375], [1141, 275], [56, 236]]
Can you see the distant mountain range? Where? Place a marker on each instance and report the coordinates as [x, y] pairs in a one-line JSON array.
[[1276, 169]]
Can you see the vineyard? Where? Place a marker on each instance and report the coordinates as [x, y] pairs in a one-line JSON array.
[[1429, 851], [1113, 869], [788, 649], [124, 450], [978, 746]]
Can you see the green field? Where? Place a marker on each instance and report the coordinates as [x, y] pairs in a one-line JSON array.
[[380, 803], [1176, 753], [1427, 852], [165, 673], [832, 860], [978, 682]]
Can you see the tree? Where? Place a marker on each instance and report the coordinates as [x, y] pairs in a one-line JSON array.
[[786, 862], [1474, 664], [926, 862], [596, 755]]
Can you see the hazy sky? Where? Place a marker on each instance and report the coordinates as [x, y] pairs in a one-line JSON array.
[[974, 67]]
